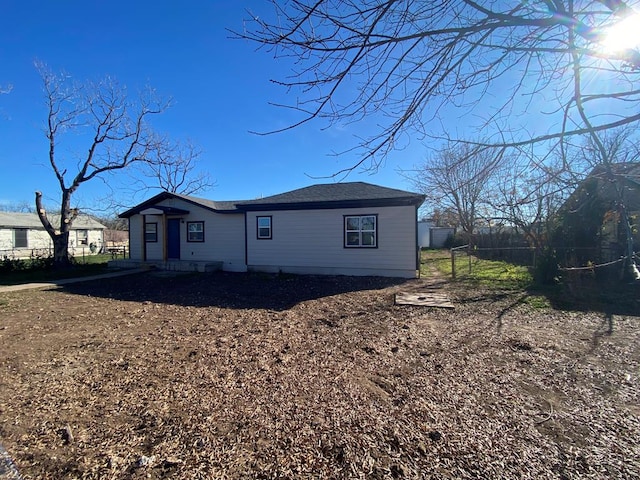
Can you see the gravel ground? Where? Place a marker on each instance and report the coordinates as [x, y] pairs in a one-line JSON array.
[[258, 376]]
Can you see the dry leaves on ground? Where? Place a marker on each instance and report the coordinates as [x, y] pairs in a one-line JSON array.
[[259, 376]]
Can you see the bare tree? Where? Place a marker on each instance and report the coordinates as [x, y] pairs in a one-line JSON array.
[[20, 207], [174, 169], [406, 62], [527, 193], [457, 179], [113, 130]]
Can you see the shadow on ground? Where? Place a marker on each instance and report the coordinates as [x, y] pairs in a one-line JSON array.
[[612, 299], [228, 290]]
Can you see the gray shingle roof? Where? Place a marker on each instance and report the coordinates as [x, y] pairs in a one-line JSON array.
[[332, 195], [337, 192], [31, 220]]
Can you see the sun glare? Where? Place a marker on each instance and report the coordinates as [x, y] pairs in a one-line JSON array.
[[622, 35]]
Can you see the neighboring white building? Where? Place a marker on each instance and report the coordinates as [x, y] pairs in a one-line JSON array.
[[430, 236], [22, 235], [343, 228]]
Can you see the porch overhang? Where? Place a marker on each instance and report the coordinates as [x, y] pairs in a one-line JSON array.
[[163, 210]]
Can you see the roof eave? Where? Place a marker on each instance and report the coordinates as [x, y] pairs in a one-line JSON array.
[[335, 204]]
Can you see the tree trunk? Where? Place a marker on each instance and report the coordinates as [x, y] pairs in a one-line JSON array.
[[61, 257], [59, 238]]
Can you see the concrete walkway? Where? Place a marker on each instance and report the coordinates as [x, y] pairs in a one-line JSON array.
[[65, 281]]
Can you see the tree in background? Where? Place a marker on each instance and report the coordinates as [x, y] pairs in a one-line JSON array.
[[606, 189], [457, 179], [19, 207], [175, 169], [109, 126]]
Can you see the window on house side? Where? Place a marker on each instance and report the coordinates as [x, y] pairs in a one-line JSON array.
[[361, 231], [82, 237], [264, 228], [20, 239], [195, 231], [150, 232]]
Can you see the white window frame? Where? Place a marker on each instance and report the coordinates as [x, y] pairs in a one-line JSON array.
[[355, 235], [82, 240], [151, 232], [269, 236], [197, 232], [26, 237]]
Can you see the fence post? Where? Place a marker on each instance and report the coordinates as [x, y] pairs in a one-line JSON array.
[[453, 264], [469, 257]]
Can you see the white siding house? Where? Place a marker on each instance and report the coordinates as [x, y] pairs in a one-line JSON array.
[[22, 236], [347, 228]]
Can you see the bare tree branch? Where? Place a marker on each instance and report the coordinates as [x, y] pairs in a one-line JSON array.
[[119, 136], [404, 63]]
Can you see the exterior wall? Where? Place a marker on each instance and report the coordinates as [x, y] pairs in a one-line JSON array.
[[312, 241], [223, 236], [39, 243], [135, 237]]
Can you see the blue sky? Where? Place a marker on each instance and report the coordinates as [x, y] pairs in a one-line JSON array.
[[220, 87]]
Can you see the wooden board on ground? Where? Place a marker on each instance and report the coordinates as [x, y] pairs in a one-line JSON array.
[[425, 299]]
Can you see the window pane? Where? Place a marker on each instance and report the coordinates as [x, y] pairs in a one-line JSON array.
[[20, 238], [263, 232], [82, 236], [368, 223], [151, 232], [368, 238], [195, 231], [360, 231], [353, 223], [264, 227], [353, 238]]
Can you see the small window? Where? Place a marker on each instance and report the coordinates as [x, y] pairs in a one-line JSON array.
[[20, 239], [82, 237], [264, 228], [361, 231], [195, 231], [150, 232]]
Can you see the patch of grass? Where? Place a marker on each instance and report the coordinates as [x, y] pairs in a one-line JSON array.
[[538, 301], [489, 273], [486, 273], [93, 265]]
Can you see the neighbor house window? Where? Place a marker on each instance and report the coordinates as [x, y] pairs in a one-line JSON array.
[[82, 237], [361, 231], [264, 228], [20, 238], [195, 231], [150, 232]]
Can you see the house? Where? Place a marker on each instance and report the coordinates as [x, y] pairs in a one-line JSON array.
[[592, 226], [22, 235], [351, 228]]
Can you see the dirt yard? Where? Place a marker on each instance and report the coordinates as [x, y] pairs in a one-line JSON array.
[[223, 375]]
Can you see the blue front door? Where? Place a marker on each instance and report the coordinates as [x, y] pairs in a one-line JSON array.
[[173, 238]]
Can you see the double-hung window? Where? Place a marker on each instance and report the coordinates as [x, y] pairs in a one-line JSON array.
[[150, 232], [361, 231], [195, 231], [20, 239], [264, 228], [82, 237]]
